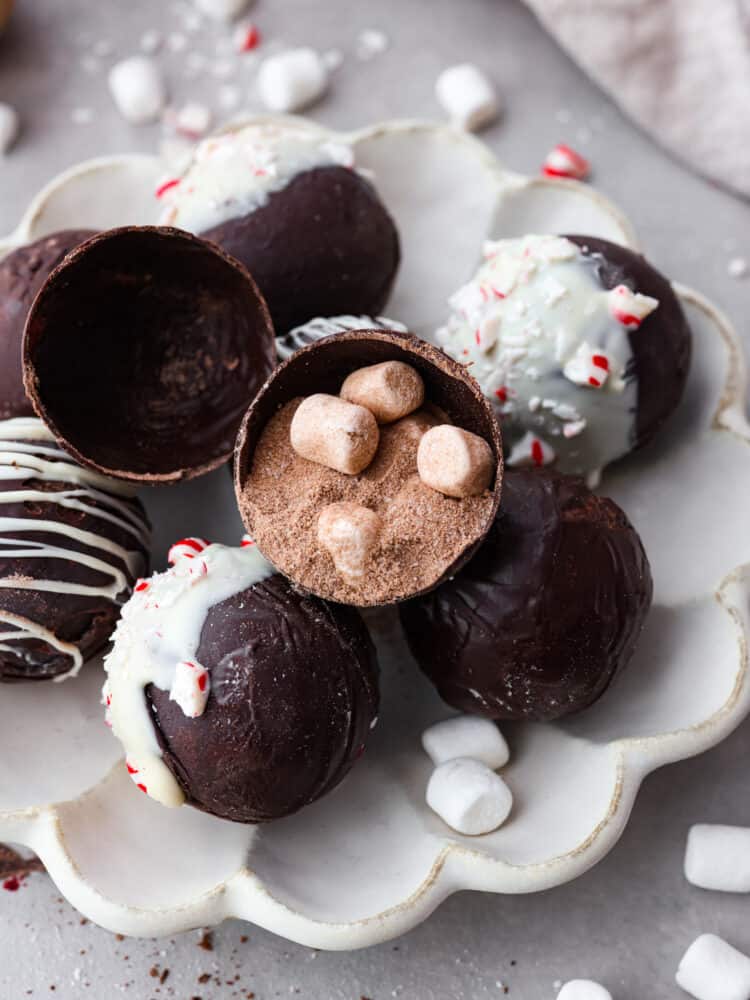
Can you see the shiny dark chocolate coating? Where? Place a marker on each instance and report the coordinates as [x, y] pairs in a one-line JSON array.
[[661, 345], [86, 621], [294, 692], [22, 274], [144, 349], [324, 245], [547, 612]]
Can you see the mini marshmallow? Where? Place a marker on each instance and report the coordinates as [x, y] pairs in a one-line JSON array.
[[466, 736], [222, 10], [455, 462], [468, 96], [562, 161], [417, 424], [292, 80], [718, 857], [9, 127], [190, 688], [531, 450], [349, 533], [138, 90], [628, 307], [583, 989], [711, 969], [468, 796], [335, 433], [390, 390]]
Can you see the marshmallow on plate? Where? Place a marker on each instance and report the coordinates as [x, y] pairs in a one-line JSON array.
[[466, 736], [138, 90], [711, 969], [583, 989], [718, 857], [468, 796]]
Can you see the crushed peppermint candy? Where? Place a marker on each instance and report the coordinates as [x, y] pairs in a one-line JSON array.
[[589, 366], [630, 308], [371, 42], [246, 37], [186, 548], [190, 688], [562, 161], [531, 450], [738, 267]]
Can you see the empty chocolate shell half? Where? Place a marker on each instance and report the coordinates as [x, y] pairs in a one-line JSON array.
[[400, 537], [142, 351]]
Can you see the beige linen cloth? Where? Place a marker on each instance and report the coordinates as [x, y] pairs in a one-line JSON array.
[[680, 68]]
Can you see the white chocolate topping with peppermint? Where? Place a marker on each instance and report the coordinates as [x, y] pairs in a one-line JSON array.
[[156, 642], [235, 172], [549, 345], [29, 453]]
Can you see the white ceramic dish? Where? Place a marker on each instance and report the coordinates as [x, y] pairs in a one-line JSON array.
[[370, 861]]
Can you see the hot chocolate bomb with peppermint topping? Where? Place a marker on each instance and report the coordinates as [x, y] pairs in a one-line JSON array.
[[290, 204], [232, 691], [580, 343]]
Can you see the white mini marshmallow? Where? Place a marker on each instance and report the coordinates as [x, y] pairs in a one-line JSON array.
[[711, 969], [190, 688], [9, 127], [583, 989], [292, 80], [468, 796], [222, 10], [138, 89], [467, 96], [466, 736], [718, 857]]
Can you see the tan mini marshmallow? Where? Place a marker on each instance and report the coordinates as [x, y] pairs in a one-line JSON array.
[[390, 390], [335, 433], [349, 533], [455, 462]]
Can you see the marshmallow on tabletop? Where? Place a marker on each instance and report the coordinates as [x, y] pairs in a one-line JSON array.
[[390, 390], [718, 857], [137, 89], [455, 462], [9, 126], [466, 736], [468, 796], [292, 80], [711, 969], [334, 433], [583, 989], [467, 96], [222, 10], [349, 533]]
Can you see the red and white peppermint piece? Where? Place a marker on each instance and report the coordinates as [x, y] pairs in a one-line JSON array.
[[190, 688], [134, 772], [589, 366], [186, 548], [246, 37], [247, 542], [531, 450], [630, 308], [562, 161]]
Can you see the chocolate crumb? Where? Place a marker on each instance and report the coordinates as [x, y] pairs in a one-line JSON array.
[[204, 977], [207, 941]]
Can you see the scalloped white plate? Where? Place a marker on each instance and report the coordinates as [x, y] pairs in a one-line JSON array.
[[370, 861]]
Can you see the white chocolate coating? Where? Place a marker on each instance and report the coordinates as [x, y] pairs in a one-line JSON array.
[[28, 450], [160, 629], [235, 172], [549, 346]]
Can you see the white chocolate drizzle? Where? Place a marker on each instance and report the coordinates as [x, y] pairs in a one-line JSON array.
[[327, 326], [28, 452], [236, 171], [549, 346], [156, 642]]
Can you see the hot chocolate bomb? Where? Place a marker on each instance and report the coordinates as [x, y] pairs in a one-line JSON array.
[[235, 693], [538, 624], [289, 203]]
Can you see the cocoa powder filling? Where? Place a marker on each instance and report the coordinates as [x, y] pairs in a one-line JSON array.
[[424, 532]]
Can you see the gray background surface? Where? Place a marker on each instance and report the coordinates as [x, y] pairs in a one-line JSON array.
[[627, 922]]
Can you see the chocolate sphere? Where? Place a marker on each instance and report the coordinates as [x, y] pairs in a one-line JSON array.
[[143, 350], [261, 699], [72, 544], [22, 274], [538, 624], [285, 198]]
